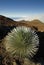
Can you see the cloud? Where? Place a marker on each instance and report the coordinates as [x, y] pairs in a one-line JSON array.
[[42, 18], [31, 17]]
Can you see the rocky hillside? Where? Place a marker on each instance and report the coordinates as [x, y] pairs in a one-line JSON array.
[[34, 23], [6, 24], [5, 21]]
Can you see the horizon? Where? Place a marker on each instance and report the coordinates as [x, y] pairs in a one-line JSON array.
[[27, 18], [23, 9], [23, 18]]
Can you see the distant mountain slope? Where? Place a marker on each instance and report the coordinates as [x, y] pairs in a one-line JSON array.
[[38, 24], [34, 23], [5, 21]]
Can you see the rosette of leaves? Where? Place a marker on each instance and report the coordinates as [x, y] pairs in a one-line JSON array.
[[22, 42]]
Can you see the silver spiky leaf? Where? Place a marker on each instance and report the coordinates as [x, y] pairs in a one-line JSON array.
[[22, 42]]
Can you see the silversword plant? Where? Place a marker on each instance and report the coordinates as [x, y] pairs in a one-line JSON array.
[[22, 42]]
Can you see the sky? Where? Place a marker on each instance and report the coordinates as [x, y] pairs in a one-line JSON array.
[[24, 9]]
